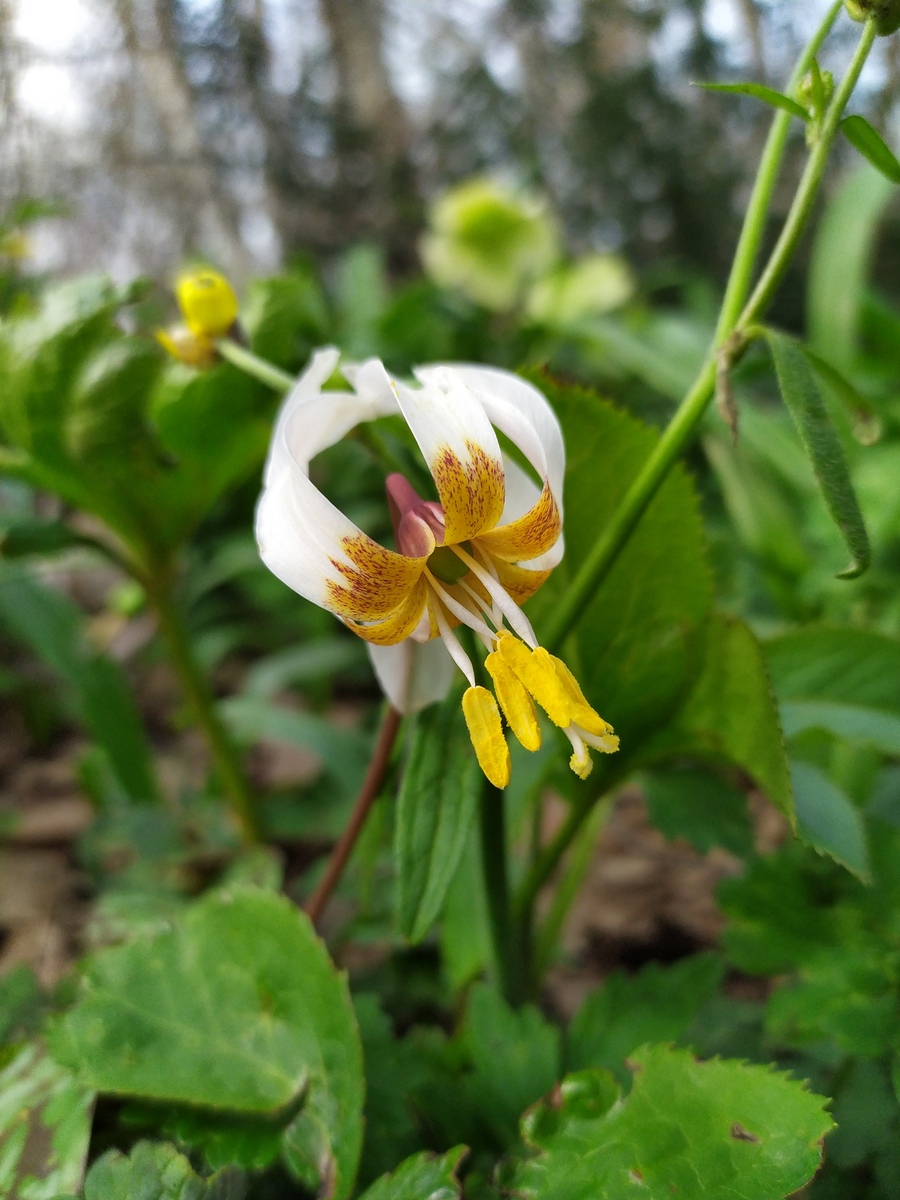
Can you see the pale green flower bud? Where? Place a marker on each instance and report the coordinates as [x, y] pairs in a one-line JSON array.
[[886, 14]]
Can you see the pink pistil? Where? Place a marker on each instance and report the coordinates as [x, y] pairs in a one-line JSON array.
[[419, 524]]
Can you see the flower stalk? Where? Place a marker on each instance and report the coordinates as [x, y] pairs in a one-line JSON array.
[[687, 417]]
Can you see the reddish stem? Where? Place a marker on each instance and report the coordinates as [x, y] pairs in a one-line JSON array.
[[368, 793]]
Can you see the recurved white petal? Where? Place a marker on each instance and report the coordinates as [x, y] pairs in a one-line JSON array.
[[519, 410], [303, 538], [413, 674], [460, 448]]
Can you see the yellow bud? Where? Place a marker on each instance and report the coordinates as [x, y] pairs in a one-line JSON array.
[[486, 731], [516, 703], [192, 349], [208, 302]]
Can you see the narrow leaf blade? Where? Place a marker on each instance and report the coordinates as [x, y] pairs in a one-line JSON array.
[[871, 145], [800, 392], [434, 811], [758, 91]]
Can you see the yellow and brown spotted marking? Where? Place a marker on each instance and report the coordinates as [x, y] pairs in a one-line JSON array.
[[399, 624], [377, 583], [471, 493], [519, 582], [529, 536]]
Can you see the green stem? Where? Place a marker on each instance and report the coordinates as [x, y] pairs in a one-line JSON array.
[[253, 365], [808, 189], [496, 887], [200, 699], [756, 217], [599, 562]]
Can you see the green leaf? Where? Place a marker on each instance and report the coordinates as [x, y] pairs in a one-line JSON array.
[[847, 994], [776, 916], [438, 796], [344, 752], [24, 537], [840, 265], [699, 807], [515, 1054], [720, 1129], [656, 1004], [237, 1008], [52, 627], [759, 92], [840, 679], [804, 402], [634, 650], [730, 714], [157, 1171], [391, 1129], [828, 819], [866, 423], [423, 1177], [871, 145], [45, 1127]]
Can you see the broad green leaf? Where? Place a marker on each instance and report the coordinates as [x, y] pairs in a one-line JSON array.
[[850, 721], [776, 918], [423, 1177], [871, 145], [287, 318], [847, 994], [237, 1008], [828, 819], [837, 664], [157, 1171], [840, 265], [800, 392], [437, 801], [840, 679], [657, 1004], [720, 1129], [45, 1127], [634, 648], [759, 92], [464, 932], [52, 627], [730, 714], [700, 807], [515, 1054]]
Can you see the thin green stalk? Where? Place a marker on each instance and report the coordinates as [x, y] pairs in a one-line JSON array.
[[253, 365], [754, 226], [200, 699], [634, 503], [808, 189], [492, 815]]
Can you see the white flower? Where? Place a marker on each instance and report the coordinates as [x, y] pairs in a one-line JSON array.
[[470, 557]]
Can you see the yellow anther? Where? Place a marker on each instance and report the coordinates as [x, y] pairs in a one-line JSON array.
[[208, 302], [582, 763], [486, 731], [194, 349], [582, 713], [515, 702], [539, 677]]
